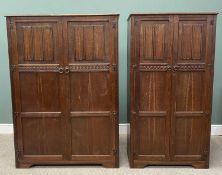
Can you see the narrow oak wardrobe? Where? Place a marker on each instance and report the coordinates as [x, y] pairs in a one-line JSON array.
[[170, 83]]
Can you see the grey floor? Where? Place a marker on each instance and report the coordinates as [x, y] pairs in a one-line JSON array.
[[7, 166]]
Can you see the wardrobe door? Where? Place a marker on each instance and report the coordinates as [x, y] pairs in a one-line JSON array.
[[37, 88], [92, 107], [192, 87], [150, 106]]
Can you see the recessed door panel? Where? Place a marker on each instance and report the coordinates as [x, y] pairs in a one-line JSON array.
[[42, 136], [40, 92], [152, 138], [190, 133], [92, 135], [153, 91], [189, 91], [91, 92]]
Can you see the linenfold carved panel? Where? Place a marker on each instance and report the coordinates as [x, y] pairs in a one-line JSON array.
[[153, 40], [191, 40], [37, 42], [87, 42]]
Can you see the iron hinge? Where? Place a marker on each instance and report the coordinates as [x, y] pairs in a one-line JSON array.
[[206, 114], [16, 114], [114, 25], [18, 154], [12, 68], [205, 154], [114, 113], [135, 22], [11, 25], [114, 67], [210, 65], [134, 66], [114, 152]]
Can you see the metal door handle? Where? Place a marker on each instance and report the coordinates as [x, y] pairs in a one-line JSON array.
[[67, 69], [61, 70]]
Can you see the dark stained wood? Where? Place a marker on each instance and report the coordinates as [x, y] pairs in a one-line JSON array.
[[64, 89], [171, 59]]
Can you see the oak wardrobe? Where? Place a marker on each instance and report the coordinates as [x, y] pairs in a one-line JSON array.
[[170, 83], [64, 80]]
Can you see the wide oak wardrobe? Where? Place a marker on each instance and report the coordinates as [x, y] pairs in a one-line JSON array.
[[64, 80], [170, 82]]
